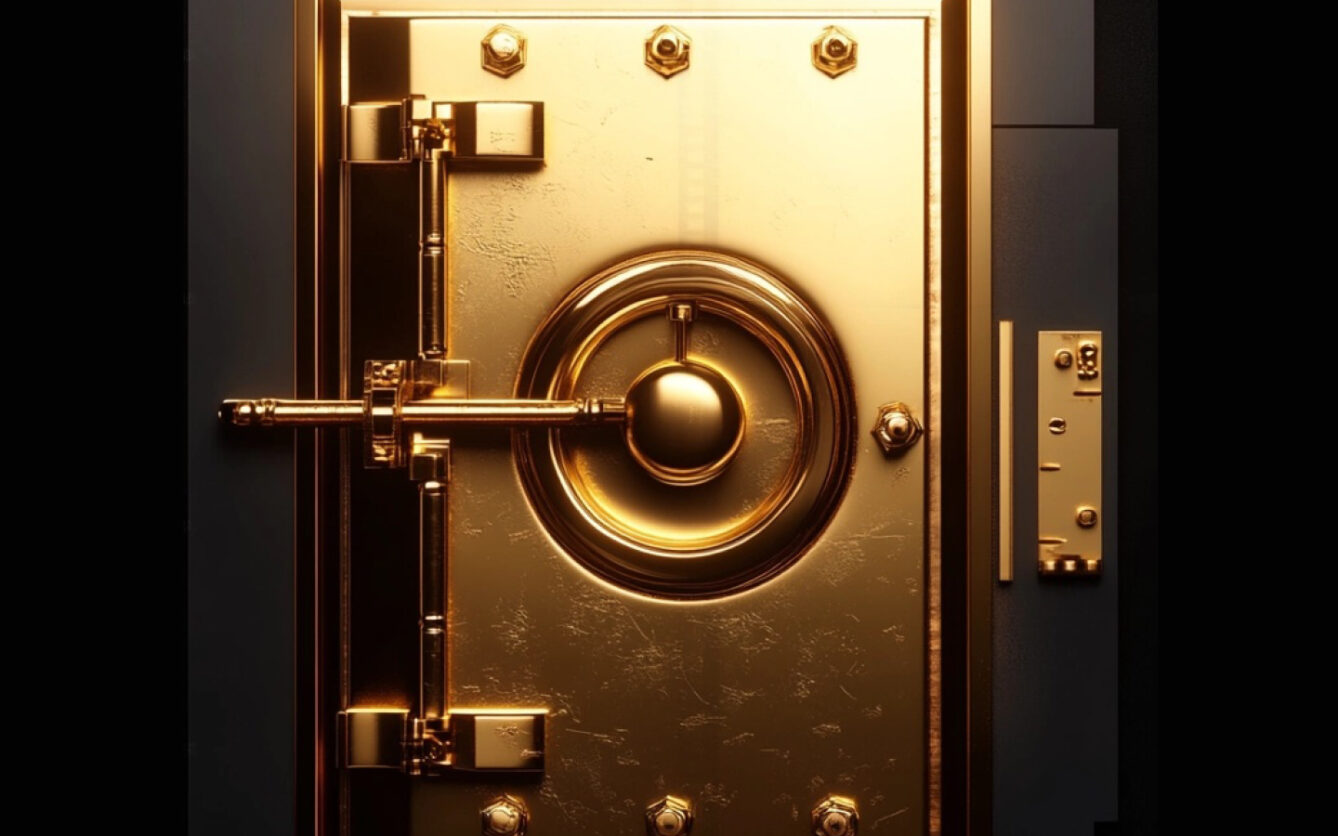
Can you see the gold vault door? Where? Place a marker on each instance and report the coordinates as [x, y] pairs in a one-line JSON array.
[[639, 516]]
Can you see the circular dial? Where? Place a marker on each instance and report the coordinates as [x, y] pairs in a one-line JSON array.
[[738, 435]]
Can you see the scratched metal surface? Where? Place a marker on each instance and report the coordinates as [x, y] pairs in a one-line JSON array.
[[756, 705]]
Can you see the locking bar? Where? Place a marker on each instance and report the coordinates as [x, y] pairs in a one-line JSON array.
[[518, 413]]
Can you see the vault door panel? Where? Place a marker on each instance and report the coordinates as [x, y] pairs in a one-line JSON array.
[[755, 704]]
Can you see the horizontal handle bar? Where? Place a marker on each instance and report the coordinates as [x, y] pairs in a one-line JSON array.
[[273, 412]]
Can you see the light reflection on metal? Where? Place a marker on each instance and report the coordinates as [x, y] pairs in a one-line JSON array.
[[684, 423]]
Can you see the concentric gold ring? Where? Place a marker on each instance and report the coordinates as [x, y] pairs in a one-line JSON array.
[[760, 511]]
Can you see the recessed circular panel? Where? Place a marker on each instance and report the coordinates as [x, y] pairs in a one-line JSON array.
[[740, 425]]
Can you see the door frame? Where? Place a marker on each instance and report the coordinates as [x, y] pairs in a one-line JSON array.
[[960, 654]]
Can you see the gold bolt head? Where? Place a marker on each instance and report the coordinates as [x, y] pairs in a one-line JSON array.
[[1063, 358], [670, 816], [835, 815], [668, 51], [835, 51], [505, 816], [896, 428], [1086, 516], [504, 51]]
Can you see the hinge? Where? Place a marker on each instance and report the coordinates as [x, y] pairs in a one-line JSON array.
[[482, 740]]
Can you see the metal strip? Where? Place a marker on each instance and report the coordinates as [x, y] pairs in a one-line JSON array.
[[1005, 451], [934, 453], [979, 399]]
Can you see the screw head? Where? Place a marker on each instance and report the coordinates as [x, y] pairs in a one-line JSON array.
[[504, 50], [668, 51], [835, 815], [505, 816], [1063, 358], [835, 51], [1086, 516], [670, 816], [896, 428]]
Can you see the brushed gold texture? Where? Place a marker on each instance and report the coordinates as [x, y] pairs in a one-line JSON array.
[[792, 456], [754, 705]]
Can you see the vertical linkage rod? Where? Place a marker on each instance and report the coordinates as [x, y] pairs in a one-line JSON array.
[[432, 275], [681, 315], [431, 468], [430, 462]]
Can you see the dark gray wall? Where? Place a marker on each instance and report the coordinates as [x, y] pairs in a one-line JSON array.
[[1056, 234], [1043, 62], [1056, 664], [240, 320]]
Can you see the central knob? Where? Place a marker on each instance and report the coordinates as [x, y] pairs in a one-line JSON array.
[[684, 422]]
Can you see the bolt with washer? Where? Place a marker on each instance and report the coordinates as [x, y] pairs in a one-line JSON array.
[[668, 51], [505, 816], [896, 428], [835, 51], [836, 815], [503, 51], [670, 816]]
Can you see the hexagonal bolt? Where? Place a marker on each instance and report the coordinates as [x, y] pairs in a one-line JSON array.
[[505, 816], [670, 816], [896, 428], [668, 51], [835, 51], [836, 815], [503, 50]]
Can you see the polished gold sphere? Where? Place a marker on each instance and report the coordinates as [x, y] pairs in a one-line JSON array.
[[684, 422]]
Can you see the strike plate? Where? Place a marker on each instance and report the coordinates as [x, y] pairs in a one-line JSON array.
[[1068, 447]]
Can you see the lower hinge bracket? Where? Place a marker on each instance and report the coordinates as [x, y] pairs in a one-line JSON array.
[[482, 740]]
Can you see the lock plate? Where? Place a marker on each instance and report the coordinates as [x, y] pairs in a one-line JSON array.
[[1068, 447], [812, 680]]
